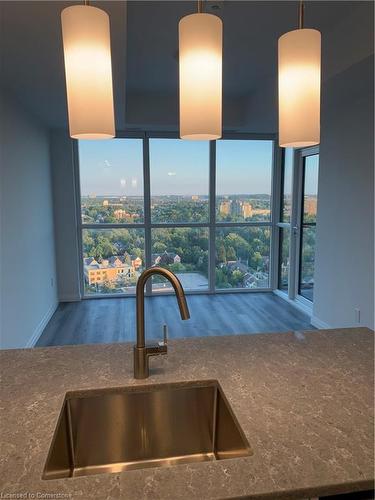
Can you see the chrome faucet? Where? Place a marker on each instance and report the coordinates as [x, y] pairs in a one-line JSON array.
[[142, 351]]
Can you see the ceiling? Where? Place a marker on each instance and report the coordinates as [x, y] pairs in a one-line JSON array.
[[144, 37], [32, 58], [251, 31]]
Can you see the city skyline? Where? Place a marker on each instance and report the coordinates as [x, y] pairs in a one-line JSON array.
[[189, 195]]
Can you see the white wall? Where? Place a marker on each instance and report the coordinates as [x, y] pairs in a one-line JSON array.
[[28, 278], [63, 182], [344, 270]]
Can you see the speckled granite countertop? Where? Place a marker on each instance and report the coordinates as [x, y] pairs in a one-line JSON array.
[[303, 400]]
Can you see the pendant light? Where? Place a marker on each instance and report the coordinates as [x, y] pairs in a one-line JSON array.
[[200, 64], [299, 86], [88, 72]]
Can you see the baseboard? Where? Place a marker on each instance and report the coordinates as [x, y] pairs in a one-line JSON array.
[[318, 323], [69, 298], [298, 305], [315, 321], [43, 323]]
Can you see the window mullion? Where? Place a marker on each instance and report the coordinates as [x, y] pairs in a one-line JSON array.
[[276, 207], [212, 216], [78, 214], [147, 207]]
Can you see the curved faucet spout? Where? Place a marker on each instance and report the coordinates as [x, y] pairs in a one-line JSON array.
[[140, 294]]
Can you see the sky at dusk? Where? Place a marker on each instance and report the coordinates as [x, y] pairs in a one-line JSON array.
[[177, 167], [243, 167]]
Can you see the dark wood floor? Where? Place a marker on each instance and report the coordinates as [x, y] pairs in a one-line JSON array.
[[113, 320]]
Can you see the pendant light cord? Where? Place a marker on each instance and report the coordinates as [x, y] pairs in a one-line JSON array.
[[301, 15], [199, 6]]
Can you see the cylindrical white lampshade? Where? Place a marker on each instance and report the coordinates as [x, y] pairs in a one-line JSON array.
[[200, 54], [299, 88], [88, 72]]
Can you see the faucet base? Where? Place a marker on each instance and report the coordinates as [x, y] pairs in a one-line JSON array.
[[140, 362], [141, 355]]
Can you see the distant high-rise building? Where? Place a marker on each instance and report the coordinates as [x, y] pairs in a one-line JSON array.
[[195, 197], [224, 208], [247, 210], [105, 203], [236, 207]]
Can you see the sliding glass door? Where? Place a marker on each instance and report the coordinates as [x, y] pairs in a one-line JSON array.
[[307, 223], [297, 223], [200, 209], [285, 219]]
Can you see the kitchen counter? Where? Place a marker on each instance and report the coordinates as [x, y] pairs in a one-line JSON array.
[[304, 401]]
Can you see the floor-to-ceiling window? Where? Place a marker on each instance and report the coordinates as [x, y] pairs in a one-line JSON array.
[[297, 222], [243, 213], [179, 193], [202, 209], [112, 214]]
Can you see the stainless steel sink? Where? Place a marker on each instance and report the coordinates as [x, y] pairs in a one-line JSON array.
[[114, 430]]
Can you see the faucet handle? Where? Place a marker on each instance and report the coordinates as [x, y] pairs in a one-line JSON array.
[[165, 336]]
